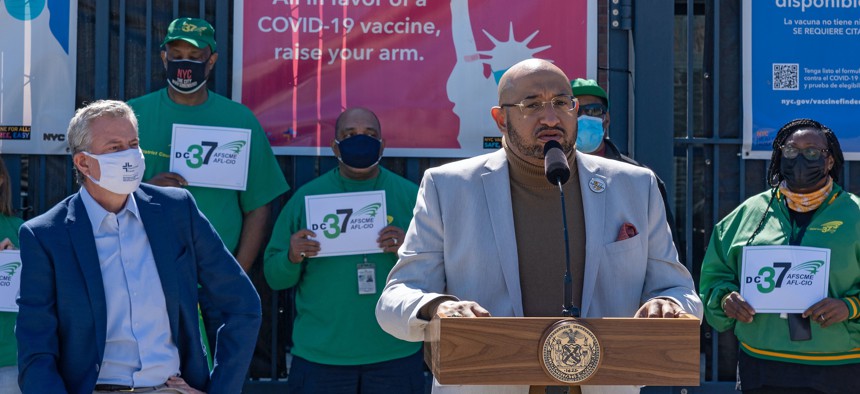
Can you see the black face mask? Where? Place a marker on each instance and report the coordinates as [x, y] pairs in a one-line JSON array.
[[800, 173], [359, 151], [186, 76]]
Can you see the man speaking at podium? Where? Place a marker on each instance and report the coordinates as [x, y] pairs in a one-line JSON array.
[[485, 239]]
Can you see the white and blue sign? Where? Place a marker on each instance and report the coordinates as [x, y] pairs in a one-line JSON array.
[[800, 60], [347, 223], [10, 279], [783, 278]]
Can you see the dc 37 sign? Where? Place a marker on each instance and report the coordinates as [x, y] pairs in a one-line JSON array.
[[211, 156], [784, 279], [347, 223]]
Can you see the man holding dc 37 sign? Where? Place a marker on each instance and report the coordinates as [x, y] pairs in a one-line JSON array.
[[336, 240]]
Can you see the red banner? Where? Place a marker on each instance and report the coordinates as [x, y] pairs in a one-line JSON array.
[[427, 68]]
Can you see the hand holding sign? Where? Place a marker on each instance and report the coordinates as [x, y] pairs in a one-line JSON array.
[[390, 239], [827, 312], [168, 179], [302, 246], [736, 307]]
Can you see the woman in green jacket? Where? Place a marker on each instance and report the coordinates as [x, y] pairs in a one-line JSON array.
[[818, 350]]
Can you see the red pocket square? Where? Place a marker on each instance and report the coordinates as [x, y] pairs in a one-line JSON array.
[[628, 230]]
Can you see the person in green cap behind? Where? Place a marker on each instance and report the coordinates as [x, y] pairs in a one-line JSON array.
[[189, 53], [593, 132], [240, 217], [593, 121]]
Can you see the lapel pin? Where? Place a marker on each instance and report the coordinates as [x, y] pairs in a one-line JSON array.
[[596, 185]]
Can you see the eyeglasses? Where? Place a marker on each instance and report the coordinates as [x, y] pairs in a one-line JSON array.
[[596, 109], [811, 153], [560, 104]]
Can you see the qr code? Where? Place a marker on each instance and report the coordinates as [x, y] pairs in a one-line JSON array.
[[785, 76]]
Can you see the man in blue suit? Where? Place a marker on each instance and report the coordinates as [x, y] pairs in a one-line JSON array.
[[109, 293]]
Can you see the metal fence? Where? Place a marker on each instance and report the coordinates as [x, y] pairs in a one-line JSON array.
[[118, 58], [712, 176]]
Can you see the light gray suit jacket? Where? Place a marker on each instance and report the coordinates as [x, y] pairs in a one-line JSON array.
[[461, 242]]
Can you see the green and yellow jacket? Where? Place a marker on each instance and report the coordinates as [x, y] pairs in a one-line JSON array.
[[834, 225]]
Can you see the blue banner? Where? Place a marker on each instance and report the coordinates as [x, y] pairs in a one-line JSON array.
[[38, 56], [801, 60]]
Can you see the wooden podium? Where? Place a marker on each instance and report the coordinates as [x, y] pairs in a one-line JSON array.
[[507, 351]]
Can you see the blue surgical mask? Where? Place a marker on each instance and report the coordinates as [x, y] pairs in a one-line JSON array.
[[359, 151], [589, 133]]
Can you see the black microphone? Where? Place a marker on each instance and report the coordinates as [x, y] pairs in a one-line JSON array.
[[557, 173], [555, 163]]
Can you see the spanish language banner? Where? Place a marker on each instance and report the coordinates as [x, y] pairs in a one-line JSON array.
[[800, 60], [38, 42], [428, 69]]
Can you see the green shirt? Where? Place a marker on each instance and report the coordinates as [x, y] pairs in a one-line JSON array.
[[8, 345], [157, 113], [835, 225], [334, 324]]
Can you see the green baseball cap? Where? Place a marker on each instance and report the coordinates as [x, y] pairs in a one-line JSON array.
[[195, 31], [588, 87]]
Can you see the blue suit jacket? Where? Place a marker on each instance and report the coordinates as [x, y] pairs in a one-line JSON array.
[[62, 319]]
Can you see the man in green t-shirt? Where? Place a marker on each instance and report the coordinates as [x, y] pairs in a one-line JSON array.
[[338, 345], [239, 216]]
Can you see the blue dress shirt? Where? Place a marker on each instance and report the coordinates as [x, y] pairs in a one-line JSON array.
[[139, 350]]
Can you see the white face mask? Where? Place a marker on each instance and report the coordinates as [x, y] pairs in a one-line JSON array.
[[121, 172]]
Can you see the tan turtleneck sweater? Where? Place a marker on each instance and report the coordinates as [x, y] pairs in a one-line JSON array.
[[540, 236]]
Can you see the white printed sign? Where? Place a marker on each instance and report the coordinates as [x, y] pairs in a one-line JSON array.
[[10, 279], [347, 223], [211, 156], [784, 279]]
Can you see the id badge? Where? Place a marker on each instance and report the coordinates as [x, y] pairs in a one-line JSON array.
[[366, 278]]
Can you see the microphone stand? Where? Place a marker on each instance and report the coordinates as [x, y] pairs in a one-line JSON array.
[[568, 310]]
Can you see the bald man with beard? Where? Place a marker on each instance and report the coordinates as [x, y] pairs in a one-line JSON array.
[[483, 240]]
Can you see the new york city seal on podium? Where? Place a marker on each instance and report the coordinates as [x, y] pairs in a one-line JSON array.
[[570, 352]]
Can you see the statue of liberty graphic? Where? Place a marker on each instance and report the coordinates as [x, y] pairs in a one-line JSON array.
[[473, 93]]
